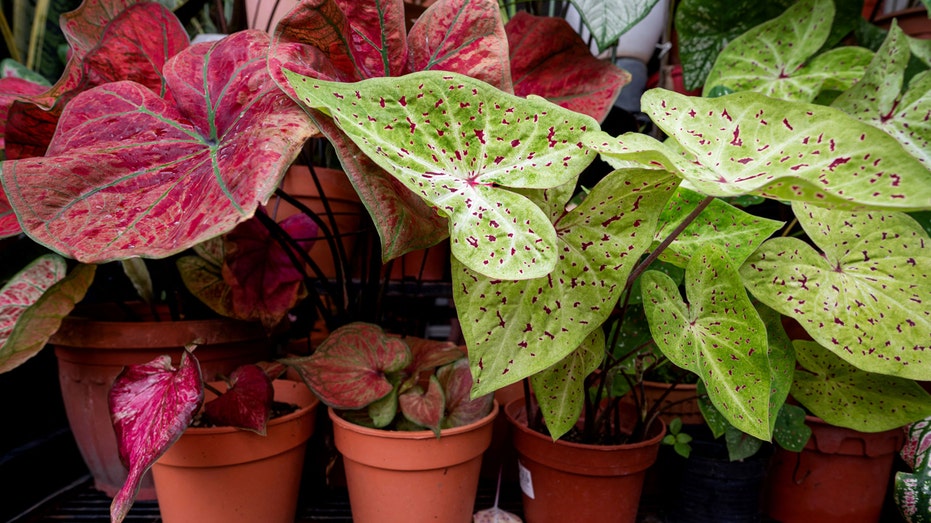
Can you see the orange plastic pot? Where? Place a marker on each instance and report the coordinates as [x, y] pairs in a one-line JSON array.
[[91, 353], [841, 476], [228, 474], [404, 477], [563, 481]]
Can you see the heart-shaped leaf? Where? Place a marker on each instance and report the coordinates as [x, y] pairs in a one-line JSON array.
[[33, 303], [246, 404], [428, 355], [456, 381], [790, 431], [560, 389], [151, 405], [442, 136], [426, 408], [877, 98], [119, 192], [348, 370], [747, 143], [776, 57], [718, 335], [864, 296], [550, 59], [846, 396], [609, 19], [515, 329]]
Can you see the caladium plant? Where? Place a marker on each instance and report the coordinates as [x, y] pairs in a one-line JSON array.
[[855, 277], [384, 381]]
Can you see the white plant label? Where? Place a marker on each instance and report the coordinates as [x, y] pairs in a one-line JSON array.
[[526, 482]]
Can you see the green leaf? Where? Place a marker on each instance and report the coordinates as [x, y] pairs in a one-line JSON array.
[[877, 99], [560, 389], [777, 58], [747, 143], [791, 432], [845, 396], [384, 410], [609, 19], [462, 146], [866, 298], [718, 335], [515, 328], [739, 445]]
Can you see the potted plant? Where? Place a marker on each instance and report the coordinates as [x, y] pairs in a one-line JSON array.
[[532, 305], [411, 438]]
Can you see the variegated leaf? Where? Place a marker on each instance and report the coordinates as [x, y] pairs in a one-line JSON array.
[[609, 19], [443, 137], [718, 335], [866, 296], [516, 328], [747, 143], [846, 396]]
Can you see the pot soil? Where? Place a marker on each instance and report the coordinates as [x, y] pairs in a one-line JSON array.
[[563, 481], [91, 353], [229, 474], [401, 476]]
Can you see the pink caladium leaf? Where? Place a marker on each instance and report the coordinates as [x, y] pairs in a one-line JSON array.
[[463, 146], [748, 143], [264, 282], [151, 405], [350, 368], [428, 355], [517, 328], [246, 404], [861, 290], [33, 303], [778, 57], [456, 381], [426, 408], [560, 389], [549, 59], [119, 192], [846, 396], [877, 98], [12, 89], [718, 335]]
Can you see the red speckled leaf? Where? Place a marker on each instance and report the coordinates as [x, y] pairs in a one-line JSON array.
[[456, 381], [246, 404], [264, 282], [121, 191], [549, 59], [33, 303], [463, 36], [347, 371], [425, 408], [511, 327], [151, 405]]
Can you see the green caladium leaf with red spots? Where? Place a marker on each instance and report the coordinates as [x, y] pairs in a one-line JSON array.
[[456, 381], [748, 143], [846, 396], [425, 407], [460, 144], [516, 328], [781, 363], [863, 293], [120, 192], [609, 19], [739, 232], [560, 389], [718, 335], [877, 99], [33, 303], [151, 405], [779, 57], [246, 404], [351, 368], [545, 50]]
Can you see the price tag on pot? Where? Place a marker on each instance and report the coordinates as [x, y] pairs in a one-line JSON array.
[[526, 481]]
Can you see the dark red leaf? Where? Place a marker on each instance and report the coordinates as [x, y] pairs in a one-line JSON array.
[[151, 405], [247, 404]]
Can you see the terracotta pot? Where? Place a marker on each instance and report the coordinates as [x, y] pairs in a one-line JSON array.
[[91, 353], [344, 220], [403, 477], [228, 474], [563, 481], [841, 476], [914, 21]]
